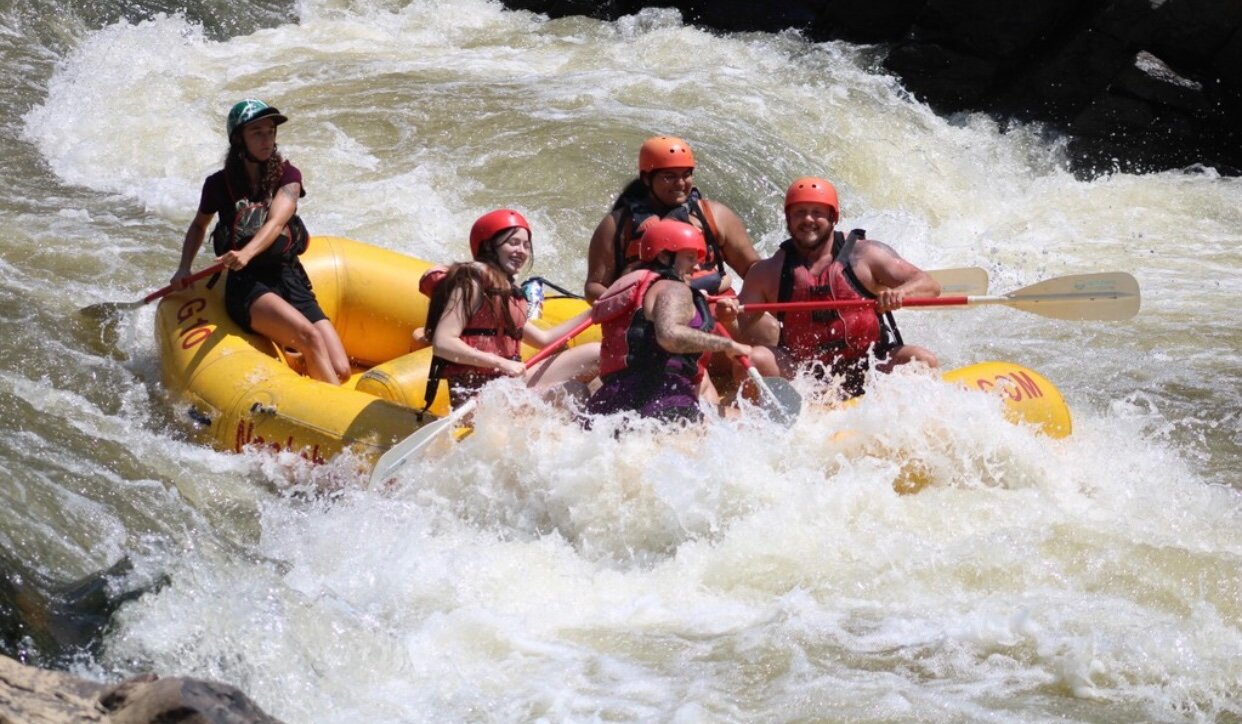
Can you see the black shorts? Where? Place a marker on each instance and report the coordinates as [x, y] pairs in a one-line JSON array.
[[288, 281]]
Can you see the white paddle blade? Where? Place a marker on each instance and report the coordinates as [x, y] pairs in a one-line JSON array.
[[387, 467], [1106, 297], [962, 282]]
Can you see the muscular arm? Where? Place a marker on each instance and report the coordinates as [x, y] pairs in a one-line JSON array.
[[888, 276], [761, 286], [601, 261], [735, 244], [671, 314]]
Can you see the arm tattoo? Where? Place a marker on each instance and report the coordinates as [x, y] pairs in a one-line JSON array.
[[675, 335], [289, 192]]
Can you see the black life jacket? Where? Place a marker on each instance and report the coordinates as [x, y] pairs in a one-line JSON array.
[[636, 209], [250, 216], [629, 338]]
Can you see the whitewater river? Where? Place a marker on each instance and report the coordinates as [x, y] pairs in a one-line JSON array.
[[538, 572]]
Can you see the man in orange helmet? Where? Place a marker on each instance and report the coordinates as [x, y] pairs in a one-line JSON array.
[[656, 331], [817, 262], [665, 189]]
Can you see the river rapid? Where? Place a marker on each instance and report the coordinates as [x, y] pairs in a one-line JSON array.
[[742, 572]]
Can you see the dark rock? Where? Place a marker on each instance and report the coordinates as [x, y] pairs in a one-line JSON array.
[[1191, 32], [866, 21], [742, 15], [601, 10], [1131, 22], [147, 699], [1112, 114], [1002, 29], [47, 623], [1139, 84], [1070, 77], [28, 694], [1228, 62], [946, 79], [1148, 77]]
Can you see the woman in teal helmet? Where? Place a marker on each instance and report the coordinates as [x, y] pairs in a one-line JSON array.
[[258, 239]]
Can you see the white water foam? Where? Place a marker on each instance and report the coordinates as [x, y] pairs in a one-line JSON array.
[[734, 573]]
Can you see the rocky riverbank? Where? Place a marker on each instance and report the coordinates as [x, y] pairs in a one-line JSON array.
[[28, 694], [1136, 85]]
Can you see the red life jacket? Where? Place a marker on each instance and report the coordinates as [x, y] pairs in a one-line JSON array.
[[629, 339], [485, 331], [829, 336]]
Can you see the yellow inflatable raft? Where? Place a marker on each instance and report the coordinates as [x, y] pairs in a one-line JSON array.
[[248, 393]]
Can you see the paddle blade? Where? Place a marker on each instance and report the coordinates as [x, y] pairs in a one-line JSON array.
[[782, 403], [398, 455], [777, 397], [1106, 297], [966, 281], [107, 310]]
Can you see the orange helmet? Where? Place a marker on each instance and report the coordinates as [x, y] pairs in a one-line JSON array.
[[672, 236], [492, 223], [812, 190], [664, 152]]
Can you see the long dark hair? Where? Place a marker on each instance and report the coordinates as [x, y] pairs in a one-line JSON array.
[[239, 180], [637, 188], [483, 277]]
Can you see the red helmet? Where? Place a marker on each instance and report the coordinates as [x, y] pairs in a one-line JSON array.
[[812, 190], [672, 236], [492, 223], [664, 152]]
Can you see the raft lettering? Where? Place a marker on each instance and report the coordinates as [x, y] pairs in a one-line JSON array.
[[1018, 386], [246, 438], [199, 330]]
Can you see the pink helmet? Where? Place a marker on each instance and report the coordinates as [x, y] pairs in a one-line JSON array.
[[492, 223]]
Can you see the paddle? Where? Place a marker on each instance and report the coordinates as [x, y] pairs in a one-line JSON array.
[[391, 461], [780, 400], [1108, 297], [107, 309], [958, 281], [963, 280]]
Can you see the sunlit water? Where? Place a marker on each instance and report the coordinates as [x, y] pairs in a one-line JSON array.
[[735, 572]]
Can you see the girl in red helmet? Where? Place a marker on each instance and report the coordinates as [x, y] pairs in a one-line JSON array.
[[656, 328], [665, 189], [477, 319], [258, 239]]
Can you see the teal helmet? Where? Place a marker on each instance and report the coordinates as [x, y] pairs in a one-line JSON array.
[[250, 110]]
